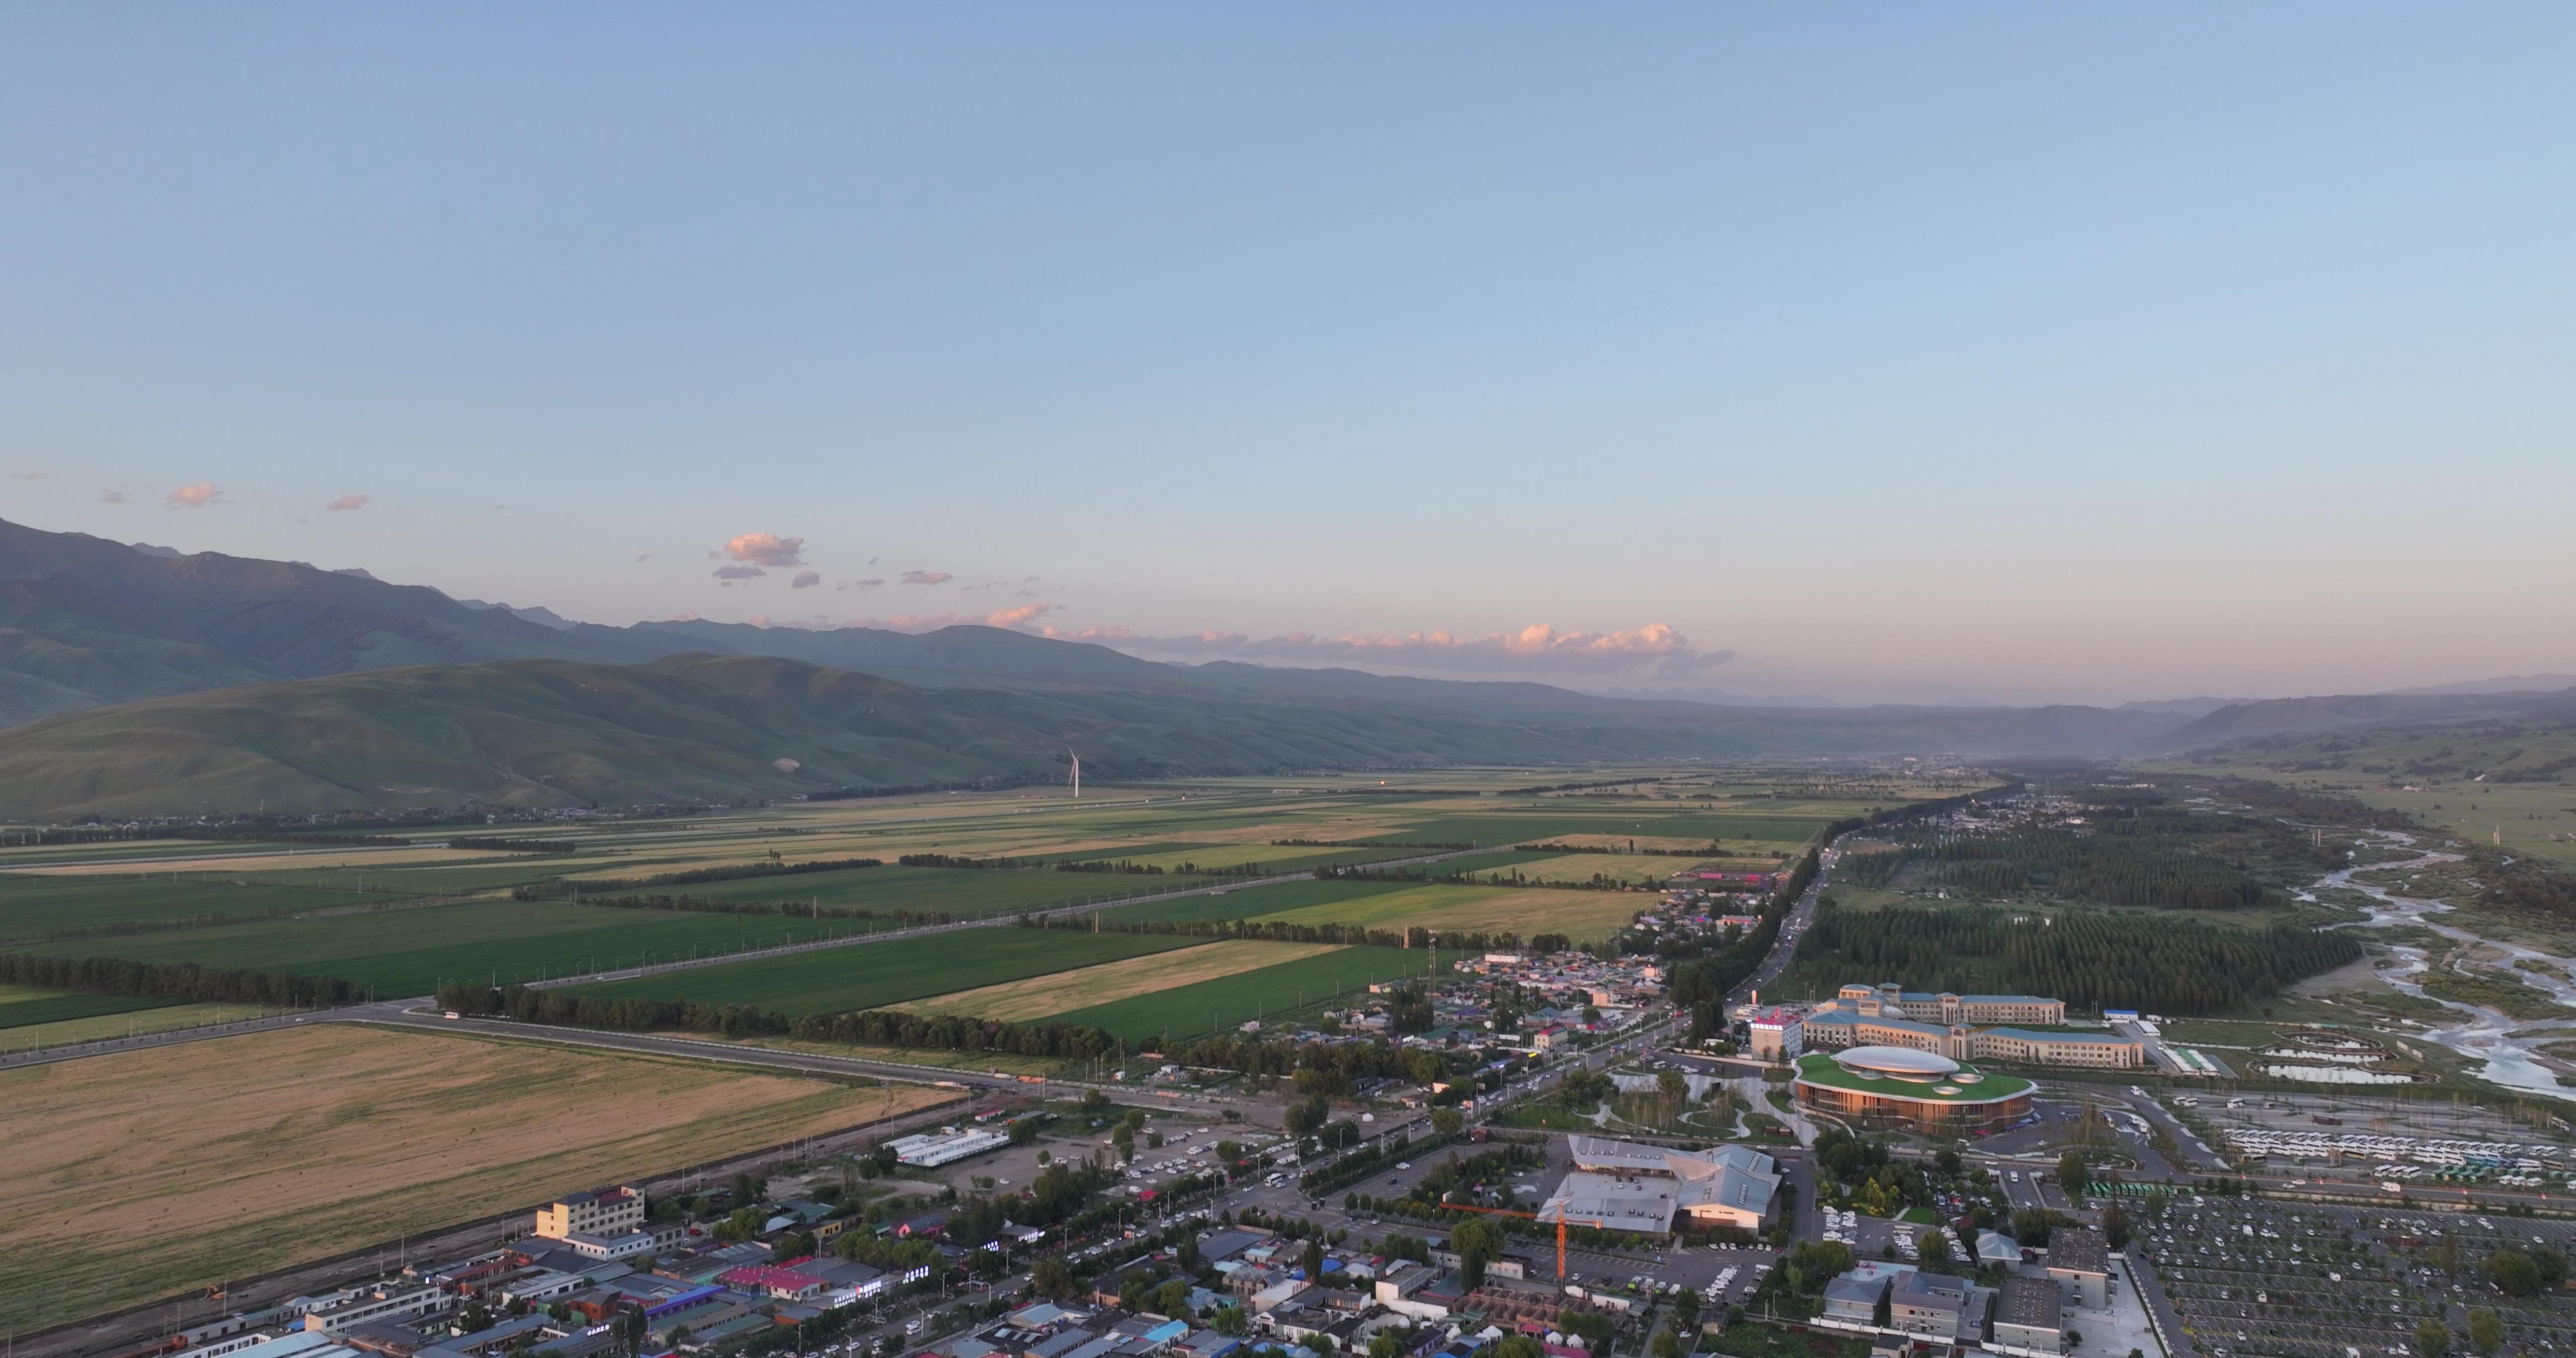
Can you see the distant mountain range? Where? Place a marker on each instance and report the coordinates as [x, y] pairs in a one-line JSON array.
[[138, 680]]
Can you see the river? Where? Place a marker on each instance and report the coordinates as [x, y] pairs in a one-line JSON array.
[[2484, 1036]]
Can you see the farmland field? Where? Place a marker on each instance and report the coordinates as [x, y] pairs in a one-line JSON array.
[[1642, 869], [146, 1173], [1268, 993], [21, 1006], [876, 975], [1246, 902], [161, 1018], [1583, 915], [1109, 982], [33, 905], [968, 893], [409, 951]]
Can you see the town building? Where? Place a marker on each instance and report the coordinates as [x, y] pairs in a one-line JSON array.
[[600, 1212], [2028, 1315], [2079, 1258], [1778, 1035], [1940, 1307], [1625, 1186], [947, 1146], [1887, 1000], [1965, 1028]]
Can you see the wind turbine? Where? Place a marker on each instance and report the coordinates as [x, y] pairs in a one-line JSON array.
[[1077, 774]]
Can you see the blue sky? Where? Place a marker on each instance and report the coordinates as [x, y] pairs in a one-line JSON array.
[[2020, 352]]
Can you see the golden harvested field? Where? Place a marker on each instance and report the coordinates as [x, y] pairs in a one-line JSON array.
[[1583, 915], [1020, 1001], [142, 1174]]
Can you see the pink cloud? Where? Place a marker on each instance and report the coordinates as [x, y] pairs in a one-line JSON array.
[[682, 617], [927, 577], [1536, 649], [198, 496], [767, 549], [347, 503], [931, 622], [806, 580]]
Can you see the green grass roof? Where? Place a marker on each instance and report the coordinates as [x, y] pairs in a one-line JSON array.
[[1818, 1068]]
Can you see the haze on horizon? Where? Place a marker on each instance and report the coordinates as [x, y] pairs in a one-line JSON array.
[[2015, 354]]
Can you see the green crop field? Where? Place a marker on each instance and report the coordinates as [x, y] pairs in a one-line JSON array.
[[409, 951], [873, 975], [1246, 902], [32, 907], [1584, 915], [1267, 993], [21, 1006], [968, 893]]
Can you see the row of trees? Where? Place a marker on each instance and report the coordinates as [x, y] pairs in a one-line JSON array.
[[1332, 1067], [2090, 959], [174, 981], [492, 844], [717, 905], [2071, 866], [1289, 931]]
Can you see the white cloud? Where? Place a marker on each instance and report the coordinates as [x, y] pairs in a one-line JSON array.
[[767, 549]]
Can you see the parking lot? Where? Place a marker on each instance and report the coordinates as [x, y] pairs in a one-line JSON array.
[[2247, 1276]]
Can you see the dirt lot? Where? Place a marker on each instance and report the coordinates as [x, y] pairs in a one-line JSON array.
[[139, 1175], [1066, 991]]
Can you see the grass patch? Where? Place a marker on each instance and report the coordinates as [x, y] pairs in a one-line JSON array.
[[1753, 1339], [879, 975], [148, 1173], [2501, 993]]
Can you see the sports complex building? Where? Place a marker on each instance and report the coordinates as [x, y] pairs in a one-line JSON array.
[[1917, 1090]]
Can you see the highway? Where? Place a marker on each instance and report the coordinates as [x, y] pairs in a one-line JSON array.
[[1792, 928]]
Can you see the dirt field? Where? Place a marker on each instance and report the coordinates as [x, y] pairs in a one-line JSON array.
[[140, 1175], [1069, 990]]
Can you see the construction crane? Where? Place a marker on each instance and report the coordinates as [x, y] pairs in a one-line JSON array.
[[1561, 1220]]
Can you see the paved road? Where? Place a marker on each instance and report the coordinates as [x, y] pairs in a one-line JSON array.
[[1792, 928]]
